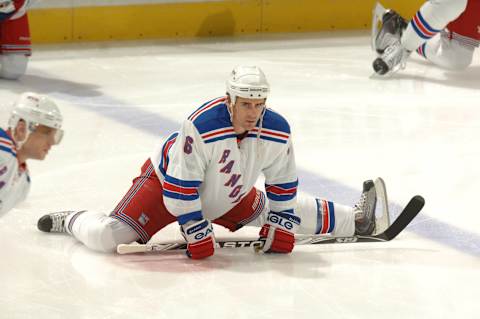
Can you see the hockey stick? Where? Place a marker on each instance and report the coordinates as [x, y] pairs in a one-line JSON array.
[[413, 207]]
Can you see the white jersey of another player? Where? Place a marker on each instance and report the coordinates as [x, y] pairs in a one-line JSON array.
[[33, 128], [14, 178], [204, 169]]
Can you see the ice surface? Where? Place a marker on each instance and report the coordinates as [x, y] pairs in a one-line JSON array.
[[419, 130]]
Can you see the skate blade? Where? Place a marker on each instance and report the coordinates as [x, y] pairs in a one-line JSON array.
[[382, 213], [377, 16]]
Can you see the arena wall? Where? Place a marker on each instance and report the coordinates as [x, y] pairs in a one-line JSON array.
[[54, 21]]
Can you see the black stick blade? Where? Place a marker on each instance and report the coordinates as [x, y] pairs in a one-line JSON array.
[[413, 207]]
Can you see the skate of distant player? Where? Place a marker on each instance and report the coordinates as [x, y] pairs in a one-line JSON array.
[[205, 173], [33, 128], [444, 32]]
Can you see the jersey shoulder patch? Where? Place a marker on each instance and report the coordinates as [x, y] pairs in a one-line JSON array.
[[275, 128], [274, 121]]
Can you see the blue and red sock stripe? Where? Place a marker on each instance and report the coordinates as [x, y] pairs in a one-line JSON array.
[[422, 28], [180, 189], [421, 50], [282, 192], [325, 217], [72, 221]]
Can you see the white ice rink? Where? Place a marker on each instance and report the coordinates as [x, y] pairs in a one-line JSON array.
[[419, 130]]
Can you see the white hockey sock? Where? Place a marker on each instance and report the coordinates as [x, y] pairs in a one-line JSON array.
[[432, 17], [321, 217], [98, 231]]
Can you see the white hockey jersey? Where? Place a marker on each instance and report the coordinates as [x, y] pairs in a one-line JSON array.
[[205, 172], [14, 180]]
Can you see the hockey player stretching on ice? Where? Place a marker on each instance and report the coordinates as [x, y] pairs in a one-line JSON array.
[[33, 128], [205, 173], [445, 32], [15, 46]]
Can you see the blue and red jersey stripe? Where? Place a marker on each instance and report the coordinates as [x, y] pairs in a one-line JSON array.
[[180, 189], [281, 192], [165, 151], [219, 134], [270, 135], [7, 144]]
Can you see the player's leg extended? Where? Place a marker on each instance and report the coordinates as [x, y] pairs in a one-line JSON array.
[[319, 216], [138, 216], [94, 229]]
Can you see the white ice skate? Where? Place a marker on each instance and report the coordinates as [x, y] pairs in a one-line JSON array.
[[368, 219], [387, 30], [54, 222]]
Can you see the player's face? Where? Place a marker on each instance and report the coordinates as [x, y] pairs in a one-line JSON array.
[[246, 113], [39, 142]]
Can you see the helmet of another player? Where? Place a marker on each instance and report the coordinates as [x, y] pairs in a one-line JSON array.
[[248, 82], [35, 110]]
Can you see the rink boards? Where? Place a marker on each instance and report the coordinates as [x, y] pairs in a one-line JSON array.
[[56, 21]]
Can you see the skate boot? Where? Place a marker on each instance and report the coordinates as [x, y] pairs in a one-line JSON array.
[[364, 210], [391, 31], [393, 59], [54, 223]]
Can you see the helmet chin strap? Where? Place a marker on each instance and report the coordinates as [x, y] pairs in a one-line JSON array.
[[259, 131], [230, 108]]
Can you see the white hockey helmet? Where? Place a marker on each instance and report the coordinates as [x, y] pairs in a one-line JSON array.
[[248, 82], [36, 109]]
